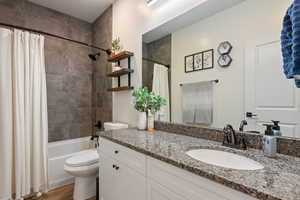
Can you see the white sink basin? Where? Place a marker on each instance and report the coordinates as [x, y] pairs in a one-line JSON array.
[[224, 159]]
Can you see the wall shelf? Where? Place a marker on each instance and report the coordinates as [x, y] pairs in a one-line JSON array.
[[117, 89], [120, 72], [124, 71], [120, 56]]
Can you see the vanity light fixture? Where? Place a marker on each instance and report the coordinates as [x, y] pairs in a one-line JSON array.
[[151, 2]]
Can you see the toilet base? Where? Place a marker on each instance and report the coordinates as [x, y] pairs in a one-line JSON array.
[[85, 188]]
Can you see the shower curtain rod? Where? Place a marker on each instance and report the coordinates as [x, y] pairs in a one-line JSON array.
[[154, 61], [108, 51]]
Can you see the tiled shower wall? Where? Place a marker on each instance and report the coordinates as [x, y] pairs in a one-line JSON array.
[[69, 70], [159, 50], [102, 37]]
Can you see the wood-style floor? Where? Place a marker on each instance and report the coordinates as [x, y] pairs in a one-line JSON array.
[[62, 193]]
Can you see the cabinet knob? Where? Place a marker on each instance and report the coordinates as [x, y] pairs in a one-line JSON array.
[[116, 151], [117, 168], [114, 166]]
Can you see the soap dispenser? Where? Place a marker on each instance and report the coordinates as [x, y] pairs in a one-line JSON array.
[[269, 142], [276, 128]]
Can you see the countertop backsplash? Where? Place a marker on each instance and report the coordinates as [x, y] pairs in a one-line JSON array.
[[285, 145]]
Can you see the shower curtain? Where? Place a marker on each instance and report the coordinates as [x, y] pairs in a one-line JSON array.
[[161, 87], [23, 115]]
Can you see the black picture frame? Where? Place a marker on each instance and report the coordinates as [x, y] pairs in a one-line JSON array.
[[189, 63], [190, 60]]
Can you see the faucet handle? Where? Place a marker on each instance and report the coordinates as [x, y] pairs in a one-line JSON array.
[[243, 143], [242, 124], [229, 134]]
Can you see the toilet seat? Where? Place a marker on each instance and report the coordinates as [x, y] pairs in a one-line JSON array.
[[85, 158]]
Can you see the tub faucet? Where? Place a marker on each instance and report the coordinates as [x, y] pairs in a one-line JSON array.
[[242, 125]]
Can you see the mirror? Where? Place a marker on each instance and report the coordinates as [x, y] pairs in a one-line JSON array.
[[223, 66]]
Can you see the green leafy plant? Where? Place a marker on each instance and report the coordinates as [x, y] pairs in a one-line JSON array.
[[142, 97], [156, 102], [116, 45], [147, 101]]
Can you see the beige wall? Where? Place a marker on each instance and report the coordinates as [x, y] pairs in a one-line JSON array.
[[250, 21], [132, 18]]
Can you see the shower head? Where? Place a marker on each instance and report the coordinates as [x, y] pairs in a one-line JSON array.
[[94, 56]]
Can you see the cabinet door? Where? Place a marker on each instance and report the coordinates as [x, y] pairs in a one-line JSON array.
[[131, 185], [119, 182], [107, 180], [158, 192]]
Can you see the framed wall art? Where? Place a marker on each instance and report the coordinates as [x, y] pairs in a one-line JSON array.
[[199, 61], [189, 63]]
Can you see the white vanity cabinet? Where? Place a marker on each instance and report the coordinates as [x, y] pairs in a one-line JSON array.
[[122, 173], [155, 191], [119, 182], [129, 175]]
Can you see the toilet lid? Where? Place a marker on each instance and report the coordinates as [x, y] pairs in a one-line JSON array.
[[84, 158]]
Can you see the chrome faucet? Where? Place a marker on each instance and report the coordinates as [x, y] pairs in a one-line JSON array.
[[242, 125], [231, 140]]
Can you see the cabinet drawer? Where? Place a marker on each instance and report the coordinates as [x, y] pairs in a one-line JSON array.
[[189, 185], [132, 159]]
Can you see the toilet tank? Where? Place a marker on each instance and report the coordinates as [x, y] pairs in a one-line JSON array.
[[114, 126]]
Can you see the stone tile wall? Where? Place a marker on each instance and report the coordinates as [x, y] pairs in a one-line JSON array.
[[102, 100], [69, 70], [159, 50]]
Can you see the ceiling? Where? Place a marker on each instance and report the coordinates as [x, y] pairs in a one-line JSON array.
[[205, 9], [87, 10]]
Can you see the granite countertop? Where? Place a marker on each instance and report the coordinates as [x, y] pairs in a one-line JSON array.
[[279, 180]]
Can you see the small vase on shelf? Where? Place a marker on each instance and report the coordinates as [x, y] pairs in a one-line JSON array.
[[116, 46]]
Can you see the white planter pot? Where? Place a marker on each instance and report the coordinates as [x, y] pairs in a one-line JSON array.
[[142, 122]]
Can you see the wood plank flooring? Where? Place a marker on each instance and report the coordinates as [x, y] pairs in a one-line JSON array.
[[61, 193]]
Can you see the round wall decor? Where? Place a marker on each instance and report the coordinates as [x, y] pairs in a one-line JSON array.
[[224, 48]]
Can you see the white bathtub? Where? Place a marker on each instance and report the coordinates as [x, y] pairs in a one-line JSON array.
[[58, 152]]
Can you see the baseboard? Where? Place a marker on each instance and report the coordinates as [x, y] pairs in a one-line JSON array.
[[61, 182]]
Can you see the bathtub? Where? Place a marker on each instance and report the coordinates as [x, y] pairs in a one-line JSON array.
[[58, 152]]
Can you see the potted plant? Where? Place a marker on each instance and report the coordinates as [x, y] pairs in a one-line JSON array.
[[141, 104], [146, 102], [155, 104], [116, 46]]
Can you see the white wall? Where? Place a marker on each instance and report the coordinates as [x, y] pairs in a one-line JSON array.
[[247, 22], [128, 19], [132, 18]]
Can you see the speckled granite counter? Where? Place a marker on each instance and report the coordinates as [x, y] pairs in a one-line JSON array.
[[280, 179]]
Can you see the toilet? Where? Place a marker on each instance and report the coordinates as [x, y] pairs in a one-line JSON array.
[[84, 166]]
